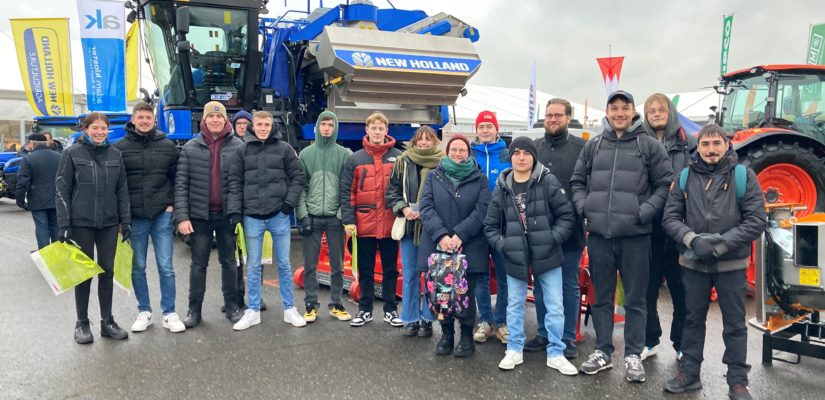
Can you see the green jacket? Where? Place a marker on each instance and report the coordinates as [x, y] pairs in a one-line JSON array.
[[322, 162]]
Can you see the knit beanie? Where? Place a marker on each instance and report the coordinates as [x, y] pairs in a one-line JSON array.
[[486, 116]]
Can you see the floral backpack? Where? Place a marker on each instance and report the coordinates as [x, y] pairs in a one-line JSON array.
[[446, 284]]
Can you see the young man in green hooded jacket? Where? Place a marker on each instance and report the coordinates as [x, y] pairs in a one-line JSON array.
[[319, 211]]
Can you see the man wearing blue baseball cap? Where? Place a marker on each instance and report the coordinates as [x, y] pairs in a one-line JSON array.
[[619, 184]]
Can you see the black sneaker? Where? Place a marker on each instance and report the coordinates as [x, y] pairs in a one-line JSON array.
[[110, 329], [570, 351], [683, 382], [426, 329], [263, 305], [597, 361], [192, 319], [411, 329], [739, 392], [392, 318], [234, 314], [538, 343], [445, 345], [465, 347], [82, 332], [361, 318]]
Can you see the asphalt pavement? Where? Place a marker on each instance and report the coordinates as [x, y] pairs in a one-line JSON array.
[[326, 359]]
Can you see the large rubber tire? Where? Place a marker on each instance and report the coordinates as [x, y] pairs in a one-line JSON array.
[[810, 168]]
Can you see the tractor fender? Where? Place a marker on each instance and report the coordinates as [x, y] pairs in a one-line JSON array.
[[745, 139]]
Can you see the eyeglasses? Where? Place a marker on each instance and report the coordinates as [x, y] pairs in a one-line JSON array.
[[554, 116]]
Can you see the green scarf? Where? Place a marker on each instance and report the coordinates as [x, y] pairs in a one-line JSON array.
[[458, 171], [427, 159]]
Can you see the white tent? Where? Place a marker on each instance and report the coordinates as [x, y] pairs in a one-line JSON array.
[[510, 107]]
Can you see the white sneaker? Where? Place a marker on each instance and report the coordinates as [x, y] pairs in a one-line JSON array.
[[172, 322], [143, 320], [562, 365], [649, 352], [511, 359], [250, 318], [291, 316]]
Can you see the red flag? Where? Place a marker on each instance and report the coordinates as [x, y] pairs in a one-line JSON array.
[[611, 70]]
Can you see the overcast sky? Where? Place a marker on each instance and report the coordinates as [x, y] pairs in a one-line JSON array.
[[669, 46]]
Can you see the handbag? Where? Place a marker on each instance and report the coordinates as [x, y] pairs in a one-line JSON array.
[[399, 226]]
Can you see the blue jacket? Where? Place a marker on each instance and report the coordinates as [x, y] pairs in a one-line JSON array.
[[493, 159]]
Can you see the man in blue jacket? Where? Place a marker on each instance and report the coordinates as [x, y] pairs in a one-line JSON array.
[[35, 188], [492, 157]]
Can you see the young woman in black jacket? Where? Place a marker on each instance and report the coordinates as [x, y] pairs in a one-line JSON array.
[[92, 202]]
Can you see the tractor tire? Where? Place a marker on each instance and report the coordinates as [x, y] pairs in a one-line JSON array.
[[788, 173]]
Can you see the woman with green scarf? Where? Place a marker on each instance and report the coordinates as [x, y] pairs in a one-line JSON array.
[[403, 193], [453, 206]]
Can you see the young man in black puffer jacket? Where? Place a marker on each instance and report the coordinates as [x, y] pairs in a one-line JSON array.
[[151, 160], [619, 184], [200, 209], [528, 219]]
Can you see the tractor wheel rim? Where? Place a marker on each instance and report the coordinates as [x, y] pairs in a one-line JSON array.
[[792, 183]]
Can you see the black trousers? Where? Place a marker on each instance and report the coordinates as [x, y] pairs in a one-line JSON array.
[[664, 263], [105, 241], [630, 256], [731, 290], [335, 250], [388, 249], [467, 319], [201, 244]]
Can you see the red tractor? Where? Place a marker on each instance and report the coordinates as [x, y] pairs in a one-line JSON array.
[[777, 116]]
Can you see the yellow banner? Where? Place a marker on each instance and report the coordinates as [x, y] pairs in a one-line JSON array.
[[132, 61], [44, 56]]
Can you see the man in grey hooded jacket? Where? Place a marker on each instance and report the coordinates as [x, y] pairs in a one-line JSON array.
[[662, 123]]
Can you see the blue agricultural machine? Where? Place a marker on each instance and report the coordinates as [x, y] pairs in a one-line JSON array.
[[351, 59]]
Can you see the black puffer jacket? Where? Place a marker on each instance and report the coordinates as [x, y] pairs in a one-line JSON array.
[[559, 155], [625, 186], [35, 181], [91, 188], [193, 175], [711, 207], [447, 209], [263, 176], [151, 161], [550, 220]]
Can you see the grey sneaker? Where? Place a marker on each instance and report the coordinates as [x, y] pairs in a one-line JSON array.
[[634, 371], [596, 362]]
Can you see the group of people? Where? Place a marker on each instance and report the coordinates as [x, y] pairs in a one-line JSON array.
[[647, 208]]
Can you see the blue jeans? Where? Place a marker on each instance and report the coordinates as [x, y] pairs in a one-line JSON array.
[[482, 293], [45, 226], [570, 292], [551, 283], [160, 229], [278, 226], [413, 306]]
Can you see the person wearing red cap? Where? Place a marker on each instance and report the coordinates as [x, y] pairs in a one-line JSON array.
[[492, 157]]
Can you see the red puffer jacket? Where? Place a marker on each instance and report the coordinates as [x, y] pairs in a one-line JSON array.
[[364, 181]]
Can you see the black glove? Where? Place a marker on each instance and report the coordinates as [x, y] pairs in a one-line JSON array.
[[703, 248], [286, 209], [22, 204], [306, 226], [63, 235], [125, 232], [235, 219]]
